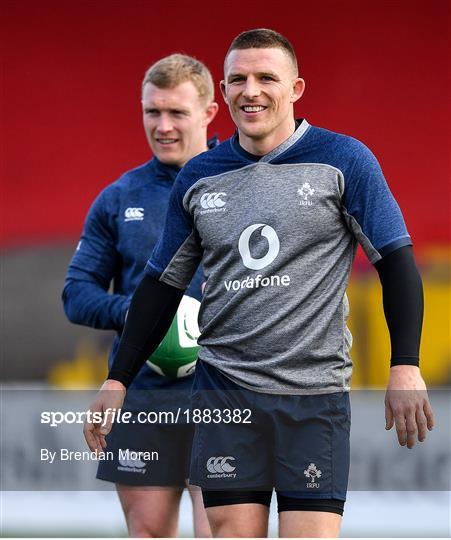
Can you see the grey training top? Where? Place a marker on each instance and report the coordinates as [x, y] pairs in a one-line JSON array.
[[278, 235]]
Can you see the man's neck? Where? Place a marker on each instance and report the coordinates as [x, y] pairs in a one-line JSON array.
[[197, 151], [261, 147]]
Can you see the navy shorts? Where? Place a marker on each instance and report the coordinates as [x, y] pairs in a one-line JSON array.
[[164, 458], [297, 444]]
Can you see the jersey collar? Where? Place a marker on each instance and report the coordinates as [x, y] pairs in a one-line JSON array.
[[165, 172], [301, 127]]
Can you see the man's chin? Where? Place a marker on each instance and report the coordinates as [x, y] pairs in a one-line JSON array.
[[170, 162], [255, 132], [168, 157]]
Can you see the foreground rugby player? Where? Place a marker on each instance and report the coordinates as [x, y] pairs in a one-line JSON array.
[[287, 204]]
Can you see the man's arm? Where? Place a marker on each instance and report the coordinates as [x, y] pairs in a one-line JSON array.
[[91, 305], [168, 273], [376, 221], [85, 296], [406, 402], [152, 309]]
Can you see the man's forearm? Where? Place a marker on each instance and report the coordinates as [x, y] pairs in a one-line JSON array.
[[152, 309], [88, 304], [402, 291]]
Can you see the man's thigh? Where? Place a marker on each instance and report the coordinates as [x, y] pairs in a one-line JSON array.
[[307, 524], [200, 521], [150, 511], [239, 520], [245, 513], [308, 518]]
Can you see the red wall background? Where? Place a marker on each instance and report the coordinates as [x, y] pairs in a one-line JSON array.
[[378, 70]]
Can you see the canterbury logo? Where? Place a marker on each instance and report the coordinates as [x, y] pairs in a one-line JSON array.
[[212, 200], [220, 465], [132, 463], [134, 214], [273, 249]]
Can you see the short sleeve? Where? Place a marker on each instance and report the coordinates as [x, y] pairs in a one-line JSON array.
[[369, 208], [178, 252]]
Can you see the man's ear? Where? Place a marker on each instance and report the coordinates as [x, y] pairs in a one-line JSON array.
[[222, 86], [210, 113], [298, 89]]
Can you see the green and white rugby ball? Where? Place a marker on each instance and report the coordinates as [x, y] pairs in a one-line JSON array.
[[177, 353]]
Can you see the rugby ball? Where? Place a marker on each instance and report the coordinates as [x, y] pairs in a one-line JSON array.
[[177, 353]]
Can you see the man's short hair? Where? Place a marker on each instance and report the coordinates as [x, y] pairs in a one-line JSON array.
[[176, 69], [263, 38]]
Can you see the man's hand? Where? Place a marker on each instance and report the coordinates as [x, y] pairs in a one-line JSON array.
[[407, 405], [109, 400]]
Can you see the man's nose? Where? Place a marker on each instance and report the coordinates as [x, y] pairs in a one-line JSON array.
[[252, 89], [164, 123]]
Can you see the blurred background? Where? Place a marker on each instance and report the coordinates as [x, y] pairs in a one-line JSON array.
[[378, 70]]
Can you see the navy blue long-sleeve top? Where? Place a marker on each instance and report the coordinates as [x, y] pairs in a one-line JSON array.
[[121, 229]]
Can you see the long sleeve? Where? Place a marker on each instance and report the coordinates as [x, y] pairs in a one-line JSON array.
[[402, 291], [153, 307], [86, 298]]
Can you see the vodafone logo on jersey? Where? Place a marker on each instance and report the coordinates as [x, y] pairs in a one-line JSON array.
[[259, 280], [243, 246]]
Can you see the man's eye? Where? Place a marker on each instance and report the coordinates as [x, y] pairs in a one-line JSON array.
[[267, 78], [236, 79], [151, 112]]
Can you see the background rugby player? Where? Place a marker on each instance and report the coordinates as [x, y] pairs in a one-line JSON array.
[[121, 229], [297, 200]]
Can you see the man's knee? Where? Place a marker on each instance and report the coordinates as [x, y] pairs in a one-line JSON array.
[[150, 525]]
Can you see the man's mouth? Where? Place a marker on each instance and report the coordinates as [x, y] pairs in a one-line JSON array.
[[166, 141], [252, 109]]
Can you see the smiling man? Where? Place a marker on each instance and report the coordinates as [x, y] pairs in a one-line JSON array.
[[261, 100], [289, 203], [121, 229]]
